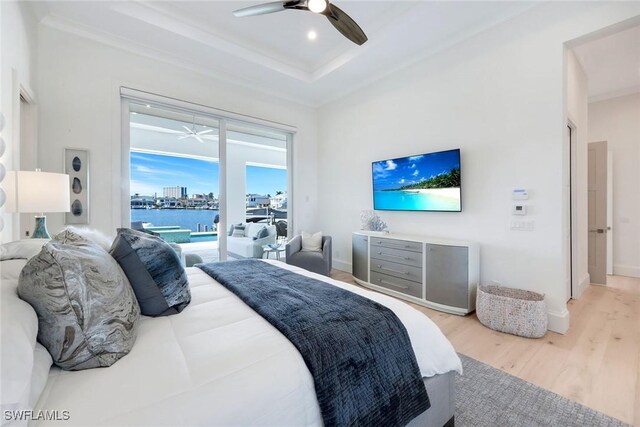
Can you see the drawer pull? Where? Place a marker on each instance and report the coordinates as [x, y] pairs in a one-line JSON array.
[[384, 282], [392, 270], [406, 258]]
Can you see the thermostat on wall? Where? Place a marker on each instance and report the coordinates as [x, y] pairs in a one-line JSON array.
[[519, 209], [520, 194]]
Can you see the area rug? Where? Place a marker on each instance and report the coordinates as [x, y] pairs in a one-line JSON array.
[[486, 396]]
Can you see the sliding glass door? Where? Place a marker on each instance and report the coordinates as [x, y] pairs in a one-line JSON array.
[[191, 174]]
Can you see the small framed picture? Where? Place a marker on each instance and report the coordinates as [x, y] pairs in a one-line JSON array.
[[76, 165]]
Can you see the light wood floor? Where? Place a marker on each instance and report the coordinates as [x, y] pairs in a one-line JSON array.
[[597, 363]]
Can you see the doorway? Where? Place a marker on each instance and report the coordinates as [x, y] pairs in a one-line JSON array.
[[597, 211]]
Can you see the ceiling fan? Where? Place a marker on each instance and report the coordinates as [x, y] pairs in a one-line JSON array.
[[193, 132], [340, 20]]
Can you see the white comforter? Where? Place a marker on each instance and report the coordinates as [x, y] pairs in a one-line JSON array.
[[217, 363]]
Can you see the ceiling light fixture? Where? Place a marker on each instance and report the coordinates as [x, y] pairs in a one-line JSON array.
[[312, 35], [317, 6]]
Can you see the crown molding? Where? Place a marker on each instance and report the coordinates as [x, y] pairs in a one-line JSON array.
[[614, 94], [181, 26], [78, 29]]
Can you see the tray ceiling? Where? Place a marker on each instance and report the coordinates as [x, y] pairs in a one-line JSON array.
[[272, 52]]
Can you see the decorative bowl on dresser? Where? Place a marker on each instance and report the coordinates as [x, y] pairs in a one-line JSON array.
[[436, 273]]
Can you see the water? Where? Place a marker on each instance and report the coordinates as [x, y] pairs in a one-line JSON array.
[[402, 200], [185, 218]]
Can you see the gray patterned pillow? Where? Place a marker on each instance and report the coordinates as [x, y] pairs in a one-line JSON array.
[[87, 312], [154, 270], [238, 230]]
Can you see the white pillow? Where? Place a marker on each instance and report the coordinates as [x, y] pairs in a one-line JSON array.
[[312, 242], [24, 366], [21, 249], [253, 229]]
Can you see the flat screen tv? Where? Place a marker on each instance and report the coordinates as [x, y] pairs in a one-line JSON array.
[[426, 182]]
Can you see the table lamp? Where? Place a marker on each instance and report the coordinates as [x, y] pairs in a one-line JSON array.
[[37, 192]]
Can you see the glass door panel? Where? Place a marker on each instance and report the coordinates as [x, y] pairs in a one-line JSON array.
[[257, 190], [175, 178]]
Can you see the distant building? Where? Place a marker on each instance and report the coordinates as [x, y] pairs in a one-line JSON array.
[[176, 192], [141, 202], [258, 201], [168, 203], [279, 201], [197, 201]]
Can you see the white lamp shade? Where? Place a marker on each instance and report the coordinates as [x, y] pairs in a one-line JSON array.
[[37, 192]]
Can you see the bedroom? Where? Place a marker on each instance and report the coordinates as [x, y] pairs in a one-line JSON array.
[[496, 91]]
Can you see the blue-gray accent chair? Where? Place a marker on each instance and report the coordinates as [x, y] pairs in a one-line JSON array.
[[317, 262]]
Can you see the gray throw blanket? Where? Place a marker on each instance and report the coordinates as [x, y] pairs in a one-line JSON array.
[[358, 352]]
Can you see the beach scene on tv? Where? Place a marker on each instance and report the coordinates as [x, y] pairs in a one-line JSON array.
[[427, 182]]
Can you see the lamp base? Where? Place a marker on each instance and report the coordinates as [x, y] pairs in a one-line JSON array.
[[40, 231]]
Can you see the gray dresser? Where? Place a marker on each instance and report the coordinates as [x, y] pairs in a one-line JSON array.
[[440, 274]]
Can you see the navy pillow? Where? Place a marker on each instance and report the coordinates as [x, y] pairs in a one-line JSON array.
[[262, 233], [154, 270]]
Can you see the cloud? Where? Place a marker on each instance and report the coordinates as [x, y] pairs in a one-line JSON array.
[[144, 188], [415, 158], [391, 165], [401, 181], [415, 173], [413, 166], [378, 170]]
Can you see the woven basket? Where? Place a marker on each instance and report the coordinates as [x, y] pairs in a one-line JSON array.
[[514, 311]]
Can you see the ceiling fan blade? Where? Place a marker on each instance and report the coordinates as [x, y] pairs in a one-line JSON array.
[[183, 137], [204, 132], [345, 24], [196, 136], [187, 129], [261, 9]]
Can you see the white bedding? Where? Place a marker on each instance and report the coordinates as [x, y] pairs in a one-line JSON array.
[[217, 363]]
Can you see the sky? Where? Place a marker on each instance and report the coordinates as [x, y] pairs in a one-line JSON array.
[[390, 174], [151, 172]]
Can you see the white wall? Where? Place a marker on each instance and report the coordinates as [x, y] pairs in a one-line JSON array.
[[617, 121], [500, 98], [80, 108], [18, 36], [577, 100]]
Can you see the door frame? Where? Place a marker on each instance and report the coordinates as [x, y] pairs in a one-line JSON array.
[[572, 158]]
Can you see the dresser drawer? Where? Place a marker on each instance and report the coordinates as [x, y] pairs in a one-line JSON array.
[[396, 284], [389, 268], [396, 244], [400, 256]]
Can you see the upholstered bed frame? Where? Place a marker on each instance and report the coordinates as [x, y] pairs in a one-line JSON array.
[[441, 389]]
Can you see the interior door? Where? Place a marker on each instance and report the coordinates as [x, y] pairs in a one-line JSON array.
[[597, 212]]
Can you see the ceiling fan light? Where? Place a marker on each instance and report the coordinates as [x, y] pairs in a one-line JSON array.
[[317, 6]]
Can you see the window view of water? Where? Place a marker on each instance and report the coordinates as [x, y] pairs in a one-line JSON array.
[[185, 218]]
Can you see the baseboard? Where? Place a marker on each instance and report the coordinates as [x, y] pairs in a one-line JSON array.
[[626, 270], [341, 265], [558, 322], [582, 286]]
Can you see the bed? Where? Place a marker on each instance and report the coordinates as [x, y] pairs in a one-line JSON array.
[[220, 363]]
